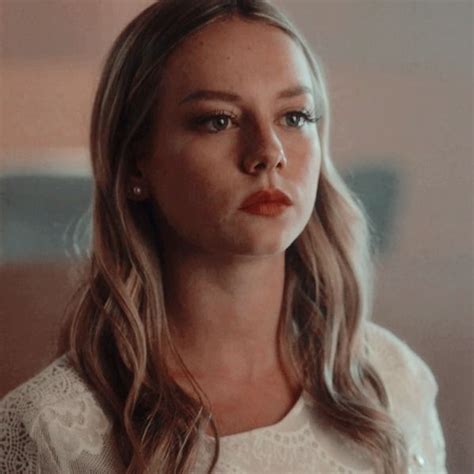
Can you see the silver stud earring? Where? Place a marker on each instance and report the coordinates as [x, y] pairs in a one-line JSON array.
[[137, 190]]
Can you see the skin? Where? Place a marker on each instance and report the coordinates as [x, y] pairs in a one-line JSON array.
[[224, 268]]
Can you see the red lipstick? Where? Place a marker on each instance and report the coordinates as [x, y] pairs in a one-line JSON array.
[[267, 202]]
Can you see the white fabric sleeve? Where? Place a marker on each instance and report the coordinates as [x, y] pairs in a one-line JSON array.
[[433, 439], [412, 391]]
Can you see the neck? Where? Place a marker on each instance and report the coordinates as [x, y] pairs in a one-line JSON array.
[[224, 312]]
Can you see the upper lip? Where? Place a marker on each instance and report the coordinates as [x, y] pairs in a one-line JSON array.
[[267, 196]]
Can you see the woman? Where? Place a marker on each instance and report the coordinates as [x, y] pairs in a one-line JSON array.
[[223, 323]]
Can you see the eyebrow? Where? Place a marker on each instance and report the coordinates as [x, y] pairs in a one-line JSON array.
[[204, 94]]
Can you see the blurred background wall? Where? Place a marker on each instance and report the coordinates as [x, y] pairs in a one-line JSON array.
[[400, 76]]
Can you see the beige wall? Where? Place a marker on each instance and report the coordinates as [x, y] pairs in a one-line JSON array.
[[400, 79]]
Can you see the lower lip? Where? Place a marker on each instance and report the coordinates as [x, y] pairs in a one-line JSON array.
[[267, 209]]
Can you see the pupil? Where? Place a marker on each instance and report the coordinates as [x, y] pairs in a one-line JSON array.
[[221, 122]]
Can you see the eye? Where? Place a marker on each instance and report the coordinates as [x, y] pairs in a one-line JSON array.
[[298, 118], [215, 122]]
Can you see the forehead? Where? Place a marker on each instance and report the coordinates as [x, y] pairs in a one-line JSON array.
[[236, 55]]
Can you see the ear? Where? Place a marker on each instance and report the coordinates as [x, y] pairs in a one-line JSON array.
[[138, 188]]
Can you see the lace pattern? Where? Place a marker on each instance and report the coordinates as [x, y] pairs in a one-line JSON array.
[[54, 409], [293, 445], [75, 426], [296, 452]]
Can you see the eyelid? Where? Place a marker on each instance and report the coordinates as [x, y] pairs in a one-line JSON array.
[[216, 113], [307, 111], [206, 117]]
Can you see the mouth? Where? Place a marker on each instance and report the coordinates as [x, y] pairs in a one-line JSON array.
[[267, 202]]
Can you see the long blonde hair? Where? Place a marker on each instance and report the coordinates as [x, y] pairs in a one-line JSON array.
[[117, 328]]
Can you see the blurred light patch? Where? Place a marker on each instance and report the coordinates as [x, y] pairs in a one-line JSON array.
[[378, 188], [42, 217]]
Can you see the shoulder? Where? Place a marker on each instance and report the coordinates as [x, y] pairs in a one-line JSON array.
[[58, 372], [412, 389], [55, 411], [396, 361], [57, 384]]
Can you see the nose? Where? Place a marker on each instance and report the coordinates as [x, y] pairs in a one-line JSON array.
[[264, 151]]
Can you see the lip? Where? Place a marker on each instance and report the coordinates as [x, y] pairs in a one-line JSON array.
[[267, 202]]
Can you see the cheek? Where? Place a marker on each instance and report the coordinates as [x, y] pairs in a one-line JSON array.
[[306, 170], [188, 187]]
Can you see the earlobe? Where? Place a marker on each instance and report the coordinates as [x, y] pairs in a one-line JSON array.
[[137, 186], [137, 190]]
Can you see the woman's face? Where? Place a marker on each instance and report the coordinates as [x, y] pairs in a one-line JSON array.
[[232, 121]]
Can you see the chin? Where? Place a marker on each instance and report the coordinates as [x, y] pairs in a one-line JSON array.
[[263, 245]]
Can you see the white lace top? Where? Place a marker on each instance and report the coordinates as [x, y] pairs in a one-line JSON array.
[[54, 424]]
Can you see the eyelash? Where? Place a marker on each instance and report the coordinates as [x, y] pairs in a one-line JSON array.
[[307, 115]]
